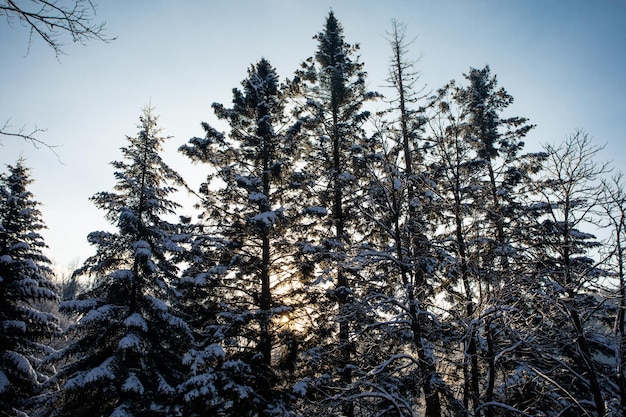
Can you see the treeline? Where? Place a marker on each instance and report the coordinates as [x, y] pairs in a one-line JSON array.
[[414, 261]]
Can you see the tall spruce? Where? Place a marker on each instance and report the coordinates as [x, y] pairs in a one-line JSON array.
[[26, 329], [252, 208], [332, 84], [498, 142], [125, 352]]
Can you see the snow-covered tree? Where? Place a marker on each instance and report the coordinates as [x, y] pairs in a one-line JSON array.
[[614, 207], [25, 282], [565, 283], [249, 272], [396, 251], [332, 94], [124, 355]]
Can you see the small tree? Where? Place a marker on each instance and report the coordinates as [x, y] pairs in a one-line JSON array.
[[126, 354], [25, 281]]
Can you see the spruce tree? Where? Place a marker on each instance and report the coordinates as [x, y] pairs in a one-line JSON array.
[[125, 352], [333, 95], [250, 220], [497, 142], [25, 283], [409, 206]]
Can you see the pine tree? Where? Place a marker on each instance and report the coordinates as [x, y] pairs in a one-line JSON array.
[[252, 209], [25, 283], [125, 351]]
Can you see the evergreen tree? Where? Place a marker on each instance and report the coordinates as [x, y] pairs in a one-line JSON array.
[[398, 253], [332, 86], [497, 142], [409, 204], [25, 282], [252, 210], [125, 351], [455, 174]]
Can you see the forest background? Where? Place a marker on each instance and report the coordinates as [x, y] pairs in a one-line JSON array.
[[345, 262], [562, 61]]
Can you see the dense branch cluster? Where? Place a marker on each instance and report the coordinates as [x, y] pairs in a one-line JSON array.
[[408, 261]]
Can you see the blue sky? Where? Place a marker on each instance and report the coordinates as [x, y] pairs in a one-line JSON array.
[[563, 61]]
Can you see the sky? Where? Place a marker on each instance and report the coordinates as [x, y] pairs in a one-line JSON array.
[[563, 61]]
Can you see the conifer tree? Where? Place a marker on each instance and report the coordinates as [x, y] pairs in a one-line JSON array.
[[125, 351], [252, 209], [25, 283], [332, 86], [455, 175], [409, 205], [398, 253], [497, 143]]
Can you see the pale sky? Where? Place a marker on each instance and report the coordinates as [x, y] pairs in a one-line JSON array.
[[563, 61]]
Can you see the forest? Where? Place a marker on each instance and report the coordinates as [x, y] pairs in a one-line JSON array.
[[350, 254]]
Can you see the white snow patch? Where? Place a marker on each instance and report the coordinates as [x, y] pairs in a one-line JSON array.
[[133, 384], [300, 388], [130, 341], [142, 249], [316, 210], [257, 197], [121, 411], [241, 180], [346, 176], [267, 218], [104, 371], [14, 324], [21, 364], [158, 304], [135, 320]]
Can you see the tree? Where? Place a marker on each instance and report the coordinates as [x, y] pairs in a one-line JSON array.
[[566, 277], [25, 280], [332, 86], [413, 249], [252, 209], [125, 355], [455, 175], [498, 143], [398, 252]]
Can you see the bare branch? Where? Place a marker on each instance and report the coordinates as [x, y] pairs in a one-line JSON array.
[[50, 19], [29, 136]]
